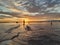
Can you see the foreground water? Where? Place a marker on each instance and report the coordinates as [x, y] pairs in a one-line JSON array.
[[40, 34]]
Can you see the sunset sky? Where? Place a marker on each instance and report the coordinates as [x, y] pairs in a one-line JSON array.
[[31, 8]]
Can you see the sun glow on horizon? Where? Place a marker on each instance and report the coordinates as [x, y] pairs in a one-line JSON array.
[[25, 21]]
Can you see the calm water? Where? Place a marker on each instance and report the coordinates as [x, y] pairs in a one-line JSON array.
[[37, 29]]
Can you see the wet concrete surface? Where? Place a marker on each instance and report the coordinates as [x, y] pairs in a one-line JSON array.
[[14, 34]]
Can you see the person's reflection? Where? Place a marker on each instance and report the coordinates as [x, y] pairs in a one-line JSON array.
[[28, 28]]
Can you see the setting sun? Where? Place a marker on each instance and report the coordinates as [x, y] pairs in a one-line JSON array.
[[25, 21]]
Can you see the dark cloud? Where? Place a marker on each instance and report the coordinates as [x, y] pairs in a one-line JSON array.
[[32, 6]]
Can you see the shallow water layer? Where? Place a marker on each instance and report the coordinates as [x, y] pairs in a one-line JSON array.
[[39, 34]]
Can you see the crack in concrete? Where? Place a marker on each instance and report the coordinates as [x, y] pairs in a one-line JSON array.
[[10, 30], [15, 36]]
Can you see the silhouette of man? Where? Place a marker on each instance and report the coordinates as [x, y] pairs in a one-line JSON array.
[[51, 23], [23, 22]]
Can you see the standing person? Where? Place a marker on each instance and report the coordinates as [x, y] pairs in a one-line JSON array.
[[51, 23], [23, 22]]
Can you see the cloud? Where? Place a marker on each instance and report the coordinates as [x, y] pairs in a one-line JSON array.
[[31, 6]]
